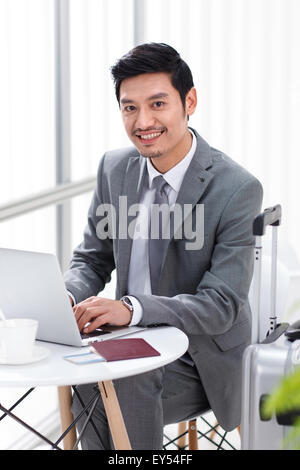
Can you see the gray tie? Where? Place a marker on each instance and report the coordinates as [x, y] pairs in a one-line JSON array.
[[157, 245]]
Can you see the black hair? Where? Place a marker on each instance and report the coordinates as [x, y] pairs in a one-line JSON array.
[[153, 58]]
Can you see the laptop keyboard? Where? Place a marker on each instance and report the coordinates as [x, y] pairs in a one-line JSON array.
[[94, 333], [104, 330]]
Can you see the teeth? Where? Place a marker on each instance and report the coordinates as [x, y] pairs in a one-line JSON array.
[[149, 136]]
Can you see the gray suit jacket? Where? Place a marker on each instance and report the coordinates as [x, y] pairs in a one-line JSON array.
[[202, 292]]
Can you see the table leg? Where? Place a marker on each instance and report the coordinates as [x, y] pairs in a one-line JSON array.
[[114, 416], [66, 417]]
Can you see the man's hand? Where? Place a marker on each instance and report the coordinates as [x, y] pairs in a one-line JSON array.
[[98, 311]]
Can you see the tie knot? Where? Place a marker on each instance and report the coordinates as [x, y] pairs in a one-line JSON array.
[[159, 184]]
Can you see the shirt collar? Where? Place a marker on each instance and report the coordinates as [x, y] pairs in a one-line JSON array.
[[176, 174]]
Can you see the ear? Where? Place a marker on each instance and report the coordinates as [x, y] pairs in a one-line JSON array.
[[191, 101]]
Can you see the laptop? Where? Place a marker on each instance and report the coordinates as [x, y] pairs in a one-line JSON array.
[[32, 287]]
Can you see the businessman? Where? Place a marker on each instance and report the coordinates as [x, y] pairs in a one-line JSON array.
[[191, 269]]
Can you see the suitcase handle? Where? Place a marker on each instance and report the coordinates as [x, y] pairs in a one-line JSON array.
[[274, 335], [270, 216]]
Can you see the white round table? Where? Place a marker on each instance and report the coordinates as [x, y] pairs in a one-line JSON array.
[[55, 370]]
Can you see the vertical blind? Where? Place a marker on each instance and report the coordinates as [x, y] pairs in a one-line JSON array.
[[244, 56], [27, 145], [100, 32]]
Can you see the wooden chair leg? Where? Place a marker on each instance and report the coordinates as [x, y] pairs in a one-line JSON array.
[[181, 442], [114, 416], [193, 437], [66, 417]]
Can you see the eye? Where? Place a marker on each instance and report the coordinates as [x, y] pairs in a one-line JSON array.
[[158, 104], [129, 109]]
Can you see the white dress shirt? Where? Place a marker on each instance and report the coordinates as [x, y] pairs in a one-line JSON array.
[[139, 273]]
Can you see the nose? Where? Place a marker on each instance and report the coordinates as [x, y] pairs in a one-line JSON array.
[[145, 119]]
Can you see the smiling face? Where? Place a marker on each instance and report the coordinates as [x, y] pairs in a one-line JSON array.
[[154, 118]]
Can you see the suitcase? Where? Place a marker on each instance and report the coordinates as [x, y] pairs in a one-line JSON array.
[[267, 362]]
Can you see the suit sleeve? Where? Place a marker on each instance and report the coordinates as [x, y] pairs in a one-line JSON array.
[[224, 288], [93, 261]]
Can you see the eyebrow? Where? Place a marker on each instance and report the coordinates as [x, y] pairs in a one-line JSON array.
[[153, 97]]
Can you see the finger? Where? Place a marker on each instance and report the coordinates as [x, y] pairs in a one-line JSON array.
[[79, 309], [97, 323], [89, 315]]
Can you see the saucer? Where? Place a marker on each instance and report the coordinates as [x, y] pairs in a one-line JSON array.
[[39, 353]]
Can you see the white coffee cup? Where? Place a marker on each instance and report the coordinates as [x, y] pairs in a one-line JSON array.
[[17, 337]]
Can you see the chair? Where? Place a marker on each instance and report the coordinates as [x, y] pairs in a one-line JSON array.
[[191, 430]]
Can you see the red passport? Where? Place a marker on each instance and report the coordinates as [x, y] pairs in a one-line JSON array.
[[125, 348]]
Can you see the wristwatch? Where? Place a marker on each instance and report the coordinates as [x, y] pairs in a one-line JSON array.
[[128, 304]]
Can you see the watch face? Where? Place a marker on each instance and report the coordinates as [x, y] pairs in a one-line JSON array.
[[127, 302]]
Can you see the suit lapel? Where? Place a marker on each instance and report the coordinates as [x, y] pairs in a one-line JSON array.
[[132, 187], [194, 184]]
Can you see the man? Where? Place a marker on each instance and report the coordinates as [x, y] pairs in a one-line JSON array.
[[199, 286]]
